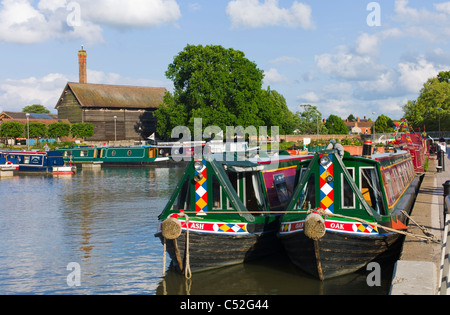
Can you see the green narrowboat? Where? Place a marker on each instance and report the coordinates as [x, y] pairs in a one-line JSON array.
[[347, 211], [117, 156], [227, 212]]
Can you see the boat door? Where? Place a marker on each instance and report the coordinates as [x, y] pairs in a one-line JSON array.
[[98, 153]]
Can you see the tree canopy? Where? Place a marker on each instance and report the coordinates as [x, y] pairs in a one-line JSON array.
[[12, 129], [310, 121], [336, 126], [222, 87], [82, 130], [35, 109], [383, 124], [425, 111]]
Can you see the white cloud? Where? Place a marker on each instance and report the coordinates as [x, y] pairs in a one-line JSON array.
[[412, 75], [253, 14], [422, 23], [16, 94], [136, 13], [273, 76], [349, 66], [310, 97], [24, 23]]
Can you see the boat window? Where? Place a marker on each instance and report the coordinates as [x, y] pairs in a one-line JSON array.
[[26, 159], [348, 196], [388, 187], [279, 185], [233, 176], [253, 194], [68, 153], [370, 188], [184, 196], [397, 182], [84, 153], [217, 193], [307, 199]]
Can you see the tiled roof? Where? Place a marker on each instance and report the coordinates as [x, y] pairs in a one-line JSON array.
[[115, 96]]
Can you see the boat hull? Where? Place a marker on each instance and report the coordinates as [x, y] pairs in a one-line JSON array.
[[337, 254], [215, 250]]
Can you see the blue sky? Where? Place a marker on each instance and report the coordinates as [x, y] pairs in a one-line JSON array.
[[331, 54]]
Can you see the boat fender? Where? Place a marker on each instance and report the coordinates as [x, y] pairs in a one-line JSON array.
[[314, 226], [171, 228]]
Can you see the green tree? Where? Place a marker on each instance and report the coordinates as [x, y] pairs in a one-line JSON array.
[[35, 109], [219, 85], [58, 130], [384, 124], [38, 130], [336, 126], [12, 130], [275, 112], [82, 130], [310, 121], [424, 111]]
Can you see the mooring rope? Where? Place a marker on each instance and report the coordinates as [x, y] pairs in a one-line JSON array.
[[421, 237], [421, 227], [187, 268], [171, 229]]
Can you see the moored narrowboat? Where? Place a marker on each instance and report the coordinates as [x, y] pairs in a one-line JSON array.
[[233, 211], [122, 156], [49, 162], [347, 211], [8, 163]]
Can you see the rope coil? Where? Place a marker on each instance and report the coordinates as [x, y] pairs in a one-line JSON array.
[[314, 226], [171, 230]]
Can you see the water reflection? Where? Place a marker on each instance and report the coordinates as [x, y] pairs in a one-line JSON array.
[[270, 276]]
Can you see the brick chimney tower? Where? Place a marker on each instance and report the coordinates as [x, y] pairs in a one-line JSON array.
[[82, 56]]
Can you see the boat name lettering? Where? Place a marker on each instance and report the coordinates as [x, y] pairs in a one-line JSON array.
[[197, 226], [339, 226], [299, 225]]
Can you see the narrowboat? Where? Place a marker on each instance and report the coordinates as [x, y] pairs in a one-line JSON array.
[[346, 211], [227, 212], [126, 155], [49, 162], [8, 163]]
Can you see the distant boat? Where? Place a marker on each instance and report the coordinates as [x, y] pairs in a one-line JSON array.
[[8, 163], [50, 162], [126, 155]]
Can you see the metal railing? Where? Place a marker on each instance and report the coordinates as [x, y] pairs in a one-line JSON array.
[[444, 277]]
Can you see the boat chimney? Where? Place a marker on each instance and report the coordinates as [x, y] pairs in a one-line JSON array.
[[367, 148], [82, 61]]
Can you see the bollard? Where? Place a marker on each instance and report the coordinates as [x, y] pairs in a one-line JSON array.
[[443, 160], [446, 193], [440, 157]]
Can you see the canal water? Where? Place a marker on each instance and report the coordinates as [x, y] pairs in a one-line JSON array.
[[93, 233]]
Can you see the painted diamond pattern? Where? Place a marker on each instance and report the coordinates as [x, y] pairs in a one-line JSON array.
[[201, 193], [326, 188]]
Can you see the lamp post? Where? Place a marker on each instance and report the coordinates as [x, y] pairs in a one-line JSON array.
[[28, 131], [439, 111], [115, 130]]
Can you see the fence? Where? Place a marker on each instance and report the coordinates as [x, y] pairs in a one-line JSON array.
[[444, 277]]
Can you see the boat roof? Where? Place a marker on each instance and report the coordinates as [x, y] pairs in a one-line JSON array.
[[23, 152]]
